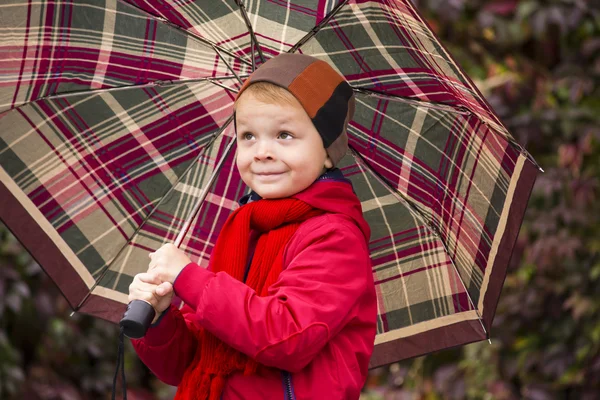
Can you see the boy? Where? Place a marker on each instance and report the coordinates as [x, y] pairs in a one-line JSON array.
[[287, 307]]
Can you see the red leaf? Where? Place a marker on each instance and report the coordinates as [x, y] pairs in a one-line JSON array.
[[504, 8]]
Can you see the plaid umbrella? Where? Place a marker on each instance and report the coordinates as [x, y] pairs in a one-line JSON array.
[[116, 137]]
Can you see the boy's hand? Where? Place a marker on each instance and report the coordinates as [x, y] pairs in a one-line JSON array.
[[167, 262], [148, 287]]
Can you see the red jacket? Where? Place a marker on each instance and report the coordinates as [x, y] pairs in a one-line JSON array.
[[316, 327]]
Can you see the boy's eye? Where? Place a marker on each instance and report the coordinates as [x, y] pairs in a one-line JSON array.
[[247, 136], [285, 135]]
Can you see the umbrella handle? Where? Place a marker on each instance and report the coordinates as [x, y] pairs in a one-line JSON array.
[[137, 319]]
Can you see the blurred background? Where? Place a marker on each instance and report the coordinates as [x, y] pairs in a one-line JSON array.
[[538, 64]]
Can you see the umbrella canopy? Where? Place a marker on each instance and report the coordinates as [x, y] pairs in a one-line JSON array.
[[116, 137]]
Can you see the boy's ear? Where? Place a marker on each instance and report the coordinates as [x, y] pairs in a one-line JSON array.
[[328, 163]]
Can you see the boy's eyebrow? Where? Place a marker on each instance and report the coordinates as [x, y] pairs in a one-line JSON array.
[[281, 119]]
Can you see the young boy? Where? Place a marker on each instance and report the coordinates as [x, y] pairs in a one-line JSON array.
[[287, 307]]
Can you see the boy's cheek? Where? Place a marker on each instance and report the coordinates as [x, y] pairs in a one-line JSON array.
[[240, 160]]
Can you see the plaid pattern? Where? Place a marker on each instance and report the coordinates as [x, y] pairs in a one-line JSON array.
[[96, 165], [94, 44], [115, 159], [414, 276]]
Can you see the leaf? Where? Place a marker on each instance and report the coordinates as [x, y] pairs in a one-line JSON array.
[[578, 305], [537, 392], [595, 272], [14, 302], [21, 289], [526, 8]]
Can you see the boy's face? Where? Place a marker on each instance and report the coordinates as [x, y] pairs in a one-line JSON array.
[[280, 152]]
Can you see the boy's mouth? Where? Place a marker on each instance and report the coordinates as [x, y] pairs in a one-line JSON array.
[[268, 176], [267, 173]]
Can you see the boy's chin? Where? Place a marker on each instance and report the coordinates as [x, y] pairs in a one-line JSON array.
[[280, 189], [273, 193]]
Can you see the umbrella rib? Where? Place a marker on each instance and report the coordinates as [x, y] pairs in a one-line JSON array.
[[428, 225], [251, 31], [252, 47], [187, 32], [462, 110], [420, 103], [318, 27], [225, 87], [151, 213], [198, 205], [216, 49], [161, 83]]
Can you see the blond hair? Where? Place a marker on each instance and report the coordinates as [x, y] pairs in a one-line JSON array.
[[268, 93]]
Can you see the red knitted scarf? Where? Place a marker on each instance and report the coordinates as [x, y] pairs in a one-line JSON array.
[[276, 220]]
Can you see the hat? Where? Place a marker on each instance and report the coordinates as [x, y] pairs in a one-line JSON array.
[[323, 93]]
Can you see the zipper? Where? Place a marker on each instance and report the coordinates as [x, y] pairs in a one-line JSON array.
[[287, 383]]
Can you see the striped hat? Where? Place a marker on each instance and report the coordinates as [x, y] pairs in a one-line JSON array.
[[323, 93]]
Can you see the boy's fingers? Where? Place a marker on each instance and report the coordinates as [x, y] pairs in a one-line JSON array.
[[150, 297], [142, 287], [164, 288], [148, 277], [143, 291]]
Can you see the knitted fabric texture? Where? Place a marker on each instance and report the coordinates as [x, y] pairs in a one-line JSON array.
[[323, 93], [276, 220]]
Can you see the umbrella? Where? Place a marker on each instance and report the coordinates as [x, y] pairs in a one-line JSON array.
[[116, 137]]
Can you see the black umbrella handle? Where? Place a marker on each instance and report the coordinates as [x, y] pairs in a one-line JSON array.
[[137, 319]]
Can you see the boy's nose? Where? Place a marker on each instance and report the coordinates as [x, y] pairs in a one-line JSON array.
[[264, 150]]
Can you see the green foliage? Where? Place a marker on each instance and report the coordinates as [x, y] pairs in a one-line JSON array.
[[537, 64]]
